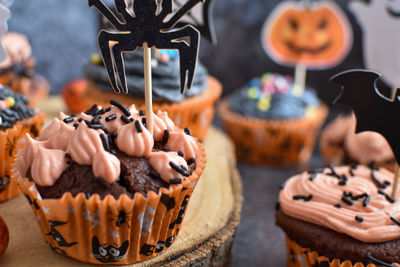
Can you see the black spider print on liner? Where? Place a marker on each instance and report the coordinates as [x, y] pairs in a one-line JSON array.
[[57, 236], [181, 213]]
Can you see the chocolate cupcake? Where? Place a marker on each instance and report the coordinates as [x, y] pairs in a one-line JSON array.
[[340, 145], [18, 69], [271, 124], [16, 119], [111, 192], [194, 108], [340, 216]]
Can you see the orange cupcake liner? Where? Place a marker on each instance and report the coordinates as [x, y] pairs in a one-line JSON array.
[[195, 112], [8, 142], [111, 231], [298, 256], [272, 142]]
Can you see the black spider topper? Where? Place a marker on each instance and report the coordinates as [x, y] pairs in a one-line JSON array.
[[373, 110], [147, 26]]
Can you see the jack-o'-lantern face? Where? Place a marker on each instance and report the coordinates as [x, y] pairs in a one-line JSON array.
[[318, 37]]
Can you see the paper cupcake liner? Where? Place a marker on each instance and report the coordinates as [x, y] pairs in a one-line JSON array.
[[111, 231], [272, 142], [8, 142], [298, 256], [195, 112]]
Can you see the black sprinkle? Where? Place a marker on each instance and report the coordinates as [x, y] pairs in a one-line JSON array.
[[309, 197], [111, 117], [376, 261], [138, 127], [187, 131], [121, 107], [178, 169], [352, 168], [76, 125], [338, 205], [313, 176], [92, 111], [96, 119], [378, 183], [131, 119], [165, 149], [144, 122], [165, 136], [366, 200], [333, 172], [102, 182], [68, 120], [191, 161], [141, 112], [387, 183], [372, 166], [175, 181], [181, 154], [125, 119], [105, 141], [102, 111], [80, 120], [359, 218], [357, 197], [97, 127], [395, 220], [347, 201], [277, 206], [299, 197], [154, 174], [388, 197]]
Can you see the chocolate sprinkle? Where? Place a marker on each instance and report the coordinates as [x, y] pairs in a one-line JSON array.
[[347, 201], [76, 125], [178, 169], [187, 131], [366, 200], [352, 168], [121, 107], [165, 136], [102, 111], [181, 154], [111, 117], [141, 112], [313, 176], [359, 218], [125, 119], [175, 181], [92, 111], [376, 261], [333, 172], [338, 205], [155, 174], [144, 122], [69, 119], [138, 127], [395, 220], [378, 183], [303, 197], [96, 119], [80, 120], [191, 161], [105, 141], [388, 197]]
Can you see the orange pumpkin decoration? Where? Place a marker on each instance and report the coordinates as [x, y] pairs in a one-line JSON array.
[[318, 36], [72, 93], [4, 236]]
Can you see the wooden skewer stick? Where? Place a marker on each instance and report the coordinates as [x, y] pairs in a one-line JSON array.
[[299, 79], [148, 87], [396, 180]]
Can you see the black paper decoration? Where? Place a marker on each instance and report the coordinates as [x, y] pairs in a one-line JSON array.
[[150, 26], [373, 110]]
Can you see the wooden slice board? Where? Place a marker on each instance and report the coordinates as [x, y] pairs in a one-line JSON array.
[[205, 238]]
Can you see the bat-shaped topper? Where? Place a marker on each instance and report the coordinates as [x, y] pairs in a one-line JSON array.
[[373, 111], [150, 26]]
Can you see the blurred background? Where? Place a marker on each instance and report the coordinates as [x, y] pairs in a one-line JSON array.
[[63, 37]]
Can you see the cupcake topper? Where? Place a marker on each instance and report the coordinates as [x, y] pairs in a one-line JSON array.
[[152, 25], [373, 110], [306, 34]]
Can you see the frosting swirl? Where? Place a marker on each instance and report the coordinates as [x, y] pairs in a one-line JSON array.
[[355, 201], [166, 81]]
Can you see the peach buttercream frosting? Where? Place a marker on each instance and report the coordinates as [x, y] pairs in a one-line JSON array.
[[354, 200], [90, 139]]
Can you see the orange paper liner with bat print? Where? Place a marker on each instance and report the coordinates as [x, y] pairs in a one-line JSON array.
[[298, 256], [111, 231], [8, 142], [272, 142], [195, 112]]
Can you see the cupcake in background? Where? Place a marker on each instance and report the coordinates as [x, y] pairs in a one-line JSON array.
[[340, 217], [270, 124], [114, 193], [18, 69], [16, 119], [340, 145], [193, 109]]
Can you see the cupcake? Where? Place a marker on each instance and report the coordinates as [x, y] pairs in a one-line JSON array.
[[111, 193], [340, 145], [18, 69], [270, 124], [16, 119], [193, 109], [343, 216]]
